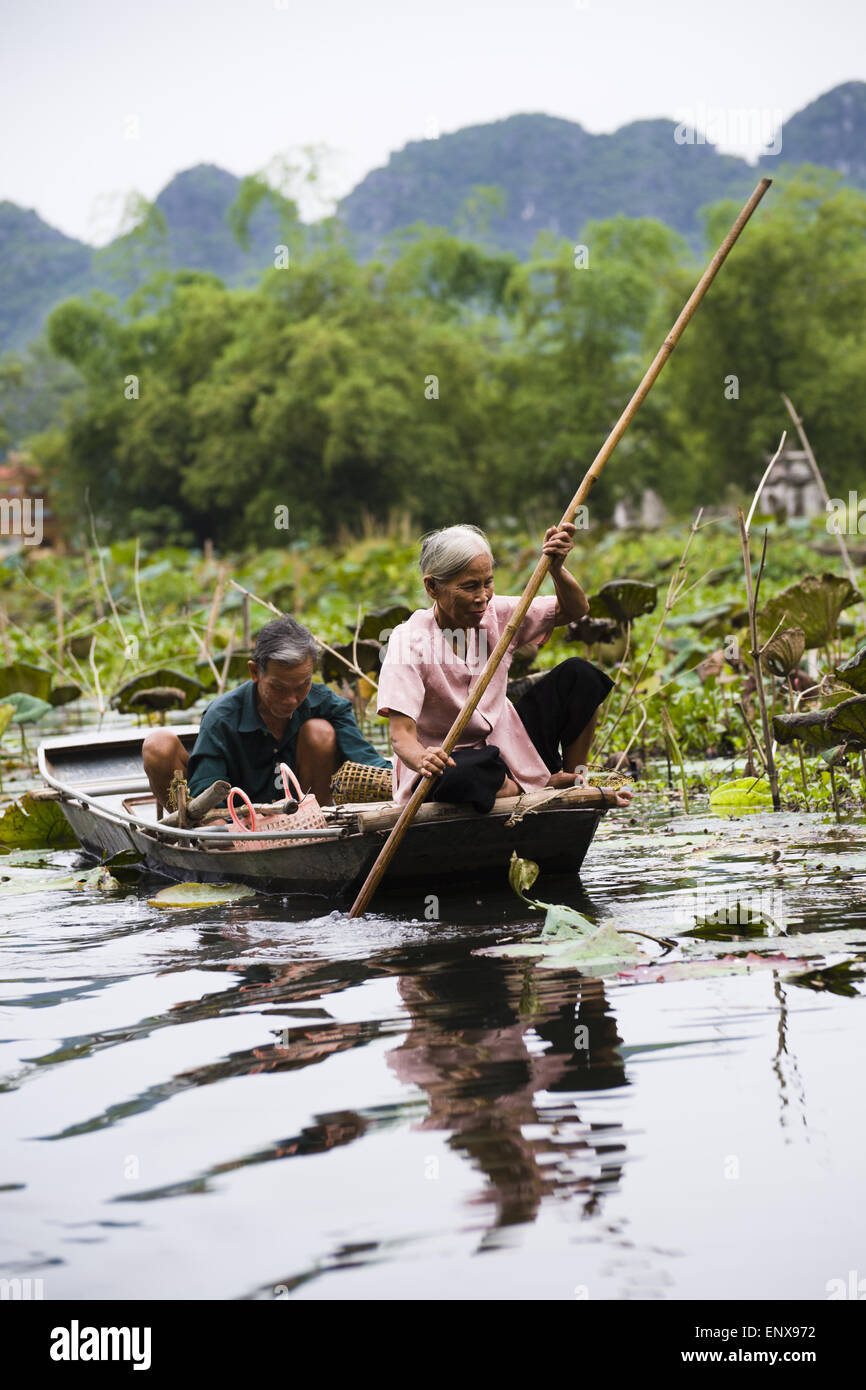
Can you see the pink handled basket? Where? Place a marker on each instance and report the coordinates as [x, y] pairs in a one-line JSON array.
[[309, 816]]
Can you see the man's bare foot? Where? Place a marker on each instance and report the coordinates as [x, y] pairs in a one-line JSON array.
[[508, 788]]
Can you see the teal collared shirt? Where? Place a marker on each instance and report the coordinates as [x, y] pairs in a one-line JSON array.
[[235, 744]]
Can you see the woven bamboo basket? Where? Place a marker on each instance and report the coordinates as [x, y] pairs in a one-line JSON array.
[[598, 776], [360, 782]]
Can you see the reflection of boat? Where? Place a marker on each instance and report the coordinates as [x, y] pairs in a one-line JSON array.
[[105, 797]]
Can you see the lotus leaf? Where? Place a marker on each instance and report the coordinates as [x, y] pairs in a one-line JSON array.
[[623, 600], [64, 694], [79, 645], [522, 873], [28, 709], [35, 824], [834, 756], [368, 656], [813, 603], [841, 978], [379, 621], [28, 859], [99, 878], [598, 952], [188, 687], [201, 895], [591, 630], [853, 671], [730, 923], [704, 969], [159, 697], [849, 721], [784, 653], [743, 794], [565, 924], [25, 679], [810, 727]]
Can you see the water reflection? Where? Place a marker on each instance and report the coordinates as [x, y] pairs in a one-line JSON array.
[[382, 1046], [792, 1092], [499, 1051], [493, 1044]]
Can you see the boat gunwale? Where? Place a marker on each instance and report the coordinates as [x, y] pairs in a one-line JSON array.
[[173, 832], [212, 841]]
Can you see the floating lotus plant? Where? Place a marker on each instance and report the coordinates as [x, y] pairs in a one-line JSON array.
[[612, 611], [64, 694], [834, 730], [31, 823], [188, 895], [567, 937], [744, 794]]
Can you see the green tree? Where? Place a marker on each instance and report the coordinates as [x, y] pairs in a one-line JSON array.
[[785, 314]]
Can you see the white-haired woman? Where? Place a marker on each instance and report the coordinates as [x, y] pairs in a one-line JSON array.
[[434, 657]]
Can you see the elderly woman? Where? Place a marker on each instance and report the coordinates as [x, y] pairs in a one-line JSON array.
[[433, 658]]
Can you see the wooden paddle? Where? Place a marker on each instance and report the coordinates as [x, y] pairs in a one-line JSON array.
[[390, 847]]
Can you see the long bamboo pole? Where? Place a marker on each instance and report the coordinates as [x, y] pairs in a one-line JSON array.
[[539, 573]]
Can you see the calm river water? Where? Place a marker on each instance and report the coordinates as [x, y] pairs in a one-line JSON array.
[[270, 1101]]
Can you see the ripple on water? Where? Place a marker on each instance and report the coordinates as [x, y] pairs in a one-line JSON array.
[[271, 1100]]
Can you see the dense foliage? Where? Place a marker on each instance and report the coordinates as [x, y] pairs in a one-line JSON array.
[[89, 629], [446, 382]]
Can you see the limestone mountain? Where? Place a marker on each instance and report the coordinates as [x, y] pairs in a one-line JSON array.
[[550, 174]]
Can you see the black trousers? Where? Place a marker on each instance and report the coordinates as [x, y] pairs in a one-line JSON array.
[[554, 713]]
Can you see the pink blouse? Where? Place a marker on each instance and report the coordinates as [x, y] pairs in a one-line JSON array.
[[428, 672]]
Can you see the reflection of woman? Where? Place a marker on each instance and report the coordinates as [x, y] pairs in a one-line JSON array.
[[467, 1049], [433, 658]]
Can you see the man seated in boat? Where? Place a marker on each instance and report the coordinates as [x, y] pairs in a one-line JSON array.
[[432, 659], [280, 715]]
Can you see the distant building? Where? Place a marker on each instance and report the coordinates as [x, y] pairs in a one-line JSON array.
[[651, 515], [26, 518], [791, 489]]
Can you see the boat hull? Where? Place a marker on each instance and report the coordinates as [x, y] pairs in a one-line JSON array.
[[101, 788], [435, 856]]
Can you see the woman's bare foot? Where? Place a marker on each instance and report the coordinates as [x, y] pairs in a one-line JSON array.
[[566, 779], [623, 796]]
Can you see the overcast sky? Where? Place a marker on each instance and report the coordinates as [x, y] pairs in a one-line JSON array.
[[104, 97]]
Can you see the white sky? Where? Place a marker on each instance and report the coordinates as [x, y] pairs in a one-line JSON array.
[[240, 82]]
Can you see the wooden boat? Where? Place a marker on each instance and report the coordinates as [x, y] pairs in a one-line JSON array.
[[99, 782]]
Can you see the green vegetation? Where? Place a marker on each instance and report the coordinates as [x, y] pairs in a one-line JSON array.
[[153, 633], [291, 438], [450, 382]]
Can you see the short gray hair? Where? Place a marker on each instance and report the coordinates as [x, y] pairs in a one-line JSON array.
[[445, 553], [284, 640]]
